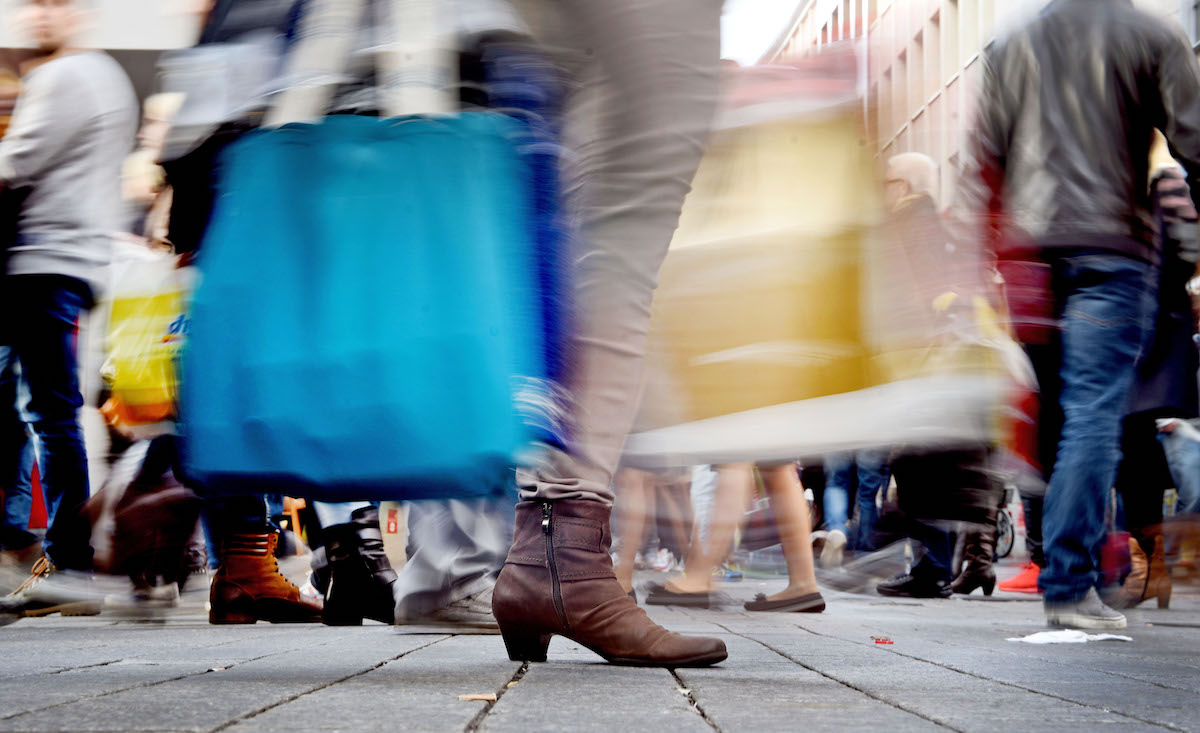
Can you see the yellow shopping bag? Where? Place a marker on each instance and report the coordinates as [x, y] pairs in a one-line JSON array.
[[147, 325], [759, 296], [774, 328]]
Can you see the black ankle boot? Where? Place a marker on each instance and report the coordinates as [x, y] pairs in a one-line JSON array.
[[978, 552], [360, 576], [925, 581]]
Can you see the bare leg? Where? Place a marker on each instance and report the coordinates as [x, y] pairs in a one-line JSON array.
[[734, 485], [674, 515], [632, 508], [795, 530]]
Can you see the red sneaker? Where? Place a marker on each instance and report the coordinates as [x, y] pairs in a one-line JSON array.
[[1024, 582]]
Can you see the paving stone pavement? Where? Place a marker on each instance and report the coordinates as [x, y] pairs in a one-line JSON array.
[[949, 668]]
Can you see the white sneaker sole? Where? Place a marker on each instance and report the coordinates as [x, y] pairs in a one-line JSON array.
[[1075, 620]]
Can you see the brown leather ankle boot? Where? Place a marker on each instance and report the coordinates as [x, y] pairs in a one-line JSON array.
[[559, 579], [1158, 578], [1134, 586], [1148, 578], [248, 586]]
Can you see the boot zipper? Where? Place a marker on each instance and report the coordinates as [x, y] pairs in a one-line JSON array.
[[548, 531]]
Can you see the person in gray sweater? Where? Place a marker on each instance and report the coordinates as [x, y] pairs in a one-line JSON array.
[[72, 127]]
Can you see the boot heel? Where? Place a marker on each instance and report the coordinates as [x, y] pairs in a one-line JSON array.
[[524, 646], [342, 619], [231, 617], [1164, 598], [989, 585]]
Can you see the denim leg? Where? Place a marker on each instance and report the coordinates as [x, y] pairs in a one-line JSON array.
[[872, 477], [16, 460], [838, 469], [1183, 456], [18, 502], [239, 515], [1102, 328], [44, 341]]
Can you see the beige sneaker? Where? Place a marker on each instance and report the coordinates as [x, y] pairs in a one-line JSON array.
[[38, 596], [1087, 613], [834, 550]]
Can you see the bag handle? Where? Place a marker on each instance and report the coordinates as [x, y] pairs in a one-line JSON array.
[[417, 70]]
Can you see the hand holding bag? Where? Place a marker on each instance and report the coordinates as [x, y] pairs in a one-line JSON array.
[[366, 301]]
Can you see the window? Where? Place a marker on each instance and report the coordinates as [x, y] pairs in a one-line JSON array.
[[873, 115], [968, 29], [934, 78], [987, 19], [916, 75], [949, 30], [886, 108]]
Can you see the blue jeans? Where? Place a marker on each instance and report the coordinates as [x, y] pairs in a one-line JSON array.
[[39, 315], [18, 502], [1183, 456], [16, 459], [872, 473], [1103, 300]]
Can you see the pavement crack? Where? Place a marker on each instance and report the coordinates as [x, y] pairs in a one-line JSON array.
[[693, 702], [144, 685], [82, 666], [994, 680], [487, 708], [324, 686], [844, 683]]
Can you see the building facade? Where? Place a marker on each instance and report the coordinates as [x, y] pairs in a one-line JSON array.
[[922, 61]]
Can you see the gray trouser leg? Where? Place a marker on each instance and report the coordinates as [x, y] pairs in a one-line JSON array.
[[646, 73], [456, 549]]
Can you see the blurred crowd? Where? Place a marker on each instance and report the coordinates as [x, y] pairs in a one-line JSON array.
[[254, 325]]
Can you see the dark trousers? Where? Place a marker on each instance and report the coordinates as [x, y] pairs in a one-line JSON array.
[[222, 515], [39, 316], [1046, 359], [1143, 476]]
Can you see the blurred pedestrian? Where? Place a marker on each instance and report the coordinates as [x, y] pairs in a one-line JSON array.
[[73, 125], [941, 298], [868, 470], [645, 80], [735, 485], [1060, 157], [1165, 386]]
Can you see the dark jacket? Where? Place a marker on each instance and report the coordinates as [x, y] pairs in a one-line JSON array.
[[1061, 146], [1166, 375]]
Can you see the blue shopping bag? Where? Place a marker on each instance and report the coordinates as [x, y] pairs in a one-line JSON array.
[[525, 85], [366, 308]]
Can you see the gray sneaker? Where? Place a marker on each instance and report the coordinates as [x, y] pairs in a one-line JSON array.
[[1087, 613], [471, 613]]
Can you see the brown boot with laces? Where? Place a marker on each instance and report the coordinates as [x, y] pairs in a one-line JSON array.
[[248, 586]]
